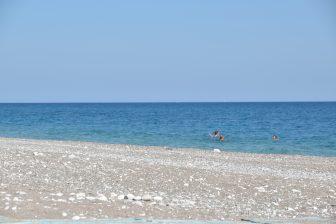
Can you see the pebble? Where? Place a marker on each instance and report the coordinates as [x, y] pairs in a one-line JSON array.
[[130, 196], [217, 150], [146, 197], [260, 189], [90, 198], [112, 195], [76, 217], [80, 196], [64, 214], [102, 197], [157, 198], [121, 197], [38, 154], [137, 198], [138, 203], [72, 156], [296, 191]]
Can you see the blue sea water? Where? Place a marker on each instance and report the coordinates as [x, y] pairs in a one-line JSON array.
[[303, 128]]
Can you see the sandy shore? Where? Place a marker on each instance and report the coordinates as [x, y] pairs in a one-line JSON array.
[[79, 180]]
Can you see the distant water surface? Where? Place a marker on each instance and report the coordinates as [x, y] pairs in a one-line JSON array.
[[303, 128]]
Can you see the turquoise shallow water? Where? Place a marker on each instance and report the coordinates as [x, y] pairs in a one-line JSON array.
[[303, 128]]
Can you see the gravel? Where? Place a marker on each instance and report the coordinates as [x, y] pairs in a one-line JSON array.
[[42, 179]]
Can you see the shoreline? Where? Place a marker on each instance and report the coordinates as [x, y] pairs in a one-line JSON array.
[[159, 147], [51, 179]]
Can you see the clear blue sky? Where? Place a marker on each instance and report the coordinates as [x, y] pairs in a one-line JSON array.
[[176, 50]]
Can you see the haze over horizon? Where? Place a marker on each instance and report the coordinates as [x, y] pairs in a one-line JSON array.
[[174, 51]]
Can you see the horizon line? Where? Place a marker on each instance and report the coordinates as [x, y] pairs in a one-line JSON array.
[[153, 102]]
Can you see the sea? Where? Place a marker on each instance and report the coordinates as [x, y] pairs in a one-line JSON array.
[[303, 128]]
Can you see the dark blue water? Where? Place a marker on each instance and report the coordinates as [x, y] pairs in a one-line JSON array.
[[303, 128]]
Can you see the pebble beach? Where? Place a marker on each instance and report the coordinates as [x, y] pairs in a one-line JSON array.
[[68, 180]]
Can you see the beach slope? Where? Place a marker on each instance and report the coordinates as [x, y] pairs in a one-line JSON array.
[[80, 180]]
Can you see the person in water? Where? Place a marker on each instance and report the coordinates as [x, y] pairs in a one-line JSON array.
[[216, 134], [221, 138], [275, 138]]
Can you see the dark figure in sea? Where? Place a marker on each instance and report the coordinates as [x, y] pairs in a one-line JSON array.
[[275, 138], [221, 138], [216, 134]]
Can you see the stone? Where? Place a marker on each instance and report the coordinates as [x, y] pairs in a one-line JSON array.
[[146, 197], [139, 203], [130, 196], [157, 198], [72, 156], [101, 197], [76, 217], [90, 198], [80, 196], [113, 195], [260, 189], [137, 198], [217, 150], [121, 197]]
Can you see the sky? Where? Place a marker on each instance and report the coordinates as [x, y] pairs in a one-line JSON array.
[[167, 51]]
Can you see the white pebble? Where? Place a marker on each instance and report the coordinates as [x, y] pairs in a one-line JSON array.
[[72, 156], [296, 191], [121, 197], [113, 195], [146, 197], [138, 203], [101, 197], [130, 196], [137, 198], [90, 198], [80, 196], [260, 189], [76, 217], [157, 198]]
